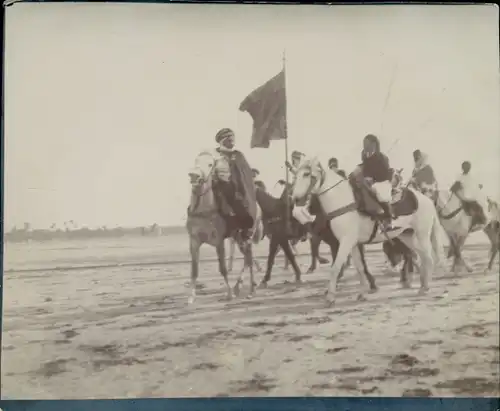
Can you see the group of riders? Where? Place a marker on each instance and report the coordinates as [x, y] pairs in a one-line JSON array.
[[238, 183]]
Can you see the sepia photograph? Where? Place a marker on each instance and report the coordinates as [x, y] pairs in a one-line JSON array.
[[250, 201]]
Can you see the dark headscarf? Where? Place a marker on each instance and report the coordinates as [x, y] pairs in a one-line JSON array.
[[417, 154], [466, 166], [332, 161], [374, 139]]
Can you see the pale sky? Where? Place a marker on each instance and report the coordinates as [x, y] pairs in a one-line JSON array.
[[107, 105]]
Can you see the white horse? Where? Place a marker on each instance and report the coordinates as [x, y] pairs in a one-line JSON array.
[[458, 225], [420, 226]]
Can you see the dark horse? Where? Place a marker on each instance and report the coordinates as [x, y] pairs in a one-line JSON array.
[[274, 216], [206, 225]]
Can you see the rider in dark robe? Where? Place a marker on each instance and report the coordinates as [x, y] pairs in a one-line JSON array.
[[374, 173], [234, 179]]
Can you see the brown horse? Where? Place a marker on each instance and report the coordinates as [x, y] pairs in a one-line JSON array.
[[206, 225]]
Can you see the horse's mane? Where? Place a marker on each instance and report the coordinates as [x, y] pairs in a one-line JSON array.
[[207, 152], [268, 203], [310, 162]]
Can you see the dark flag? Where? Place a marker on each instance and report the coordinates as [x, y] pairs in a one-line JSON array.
[[267, 107]]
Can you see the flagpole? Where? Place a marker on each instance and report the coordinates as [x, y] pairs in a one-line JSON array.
[[287, 221]]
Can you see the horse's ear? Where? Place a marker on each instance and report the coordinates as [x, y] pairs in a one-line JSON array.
[[400, 170]]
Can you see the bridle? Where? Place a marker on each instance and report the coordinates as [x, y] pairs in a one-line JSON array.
[[198, 195], [314, 181]]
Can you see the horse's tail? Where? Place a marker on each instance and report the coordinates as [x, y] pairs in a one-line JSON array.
[[258, 233], [437, 240]]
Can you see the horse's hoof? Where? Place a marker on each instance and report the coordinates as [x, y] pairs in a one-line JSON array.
[[236, 291], [373, 290], [405, 286], [323, 261], [298, 282], [250, 296], [423, 290], [361, 297], [329, 303], [263, 284]]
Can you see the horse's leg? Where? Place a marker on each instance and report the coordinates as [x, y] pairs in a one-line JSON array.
[[405, 281], [273, 250], [424, 249], [221, 255], [348, 262], [347, 243], [194, 248], [232, 247], [287, 264], [461, 261], [452, 252], [249, 257], [422, 246], [491, 230], [239, 281], [257, 265], [314, 242], [357, 258], [285, 245], [493, 253], [366, 271], [321, 260]]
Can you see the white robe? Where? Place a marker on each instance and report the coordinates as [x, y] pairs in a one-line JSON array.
[[470, 191]]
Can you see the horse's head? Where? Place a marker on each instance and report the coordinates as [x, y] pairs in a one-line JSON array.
[[493, 209], [202, 171], [307, 177], [397, 178]]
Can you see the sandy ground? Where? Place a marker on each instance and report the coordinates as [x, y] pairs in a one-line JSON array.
[[128, 332]]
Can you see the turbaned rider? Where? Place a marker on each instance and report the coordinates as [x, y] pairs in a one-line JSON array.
[[423, 178], [470, 193], [234, 180]]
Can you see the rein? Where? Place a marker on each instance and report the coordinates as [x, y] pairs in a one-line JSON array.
[[322, 181], [450, 215], [335, 213]]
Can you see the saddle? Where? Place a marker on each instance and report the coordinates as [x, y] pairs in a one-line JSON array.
[[475, 211], [406, 205], [366, 200], [369, 205]]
